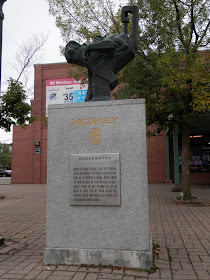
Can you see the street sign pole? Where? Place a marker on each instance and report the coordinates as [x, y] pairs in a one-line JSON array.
[[1, 25]]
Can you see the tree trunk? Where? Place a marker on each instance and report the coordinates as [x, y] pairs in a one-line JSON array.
[[186, 160]]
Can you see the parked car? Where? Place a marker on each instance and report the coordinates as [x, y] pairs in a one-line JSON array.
[[4, 173], [9, 171]]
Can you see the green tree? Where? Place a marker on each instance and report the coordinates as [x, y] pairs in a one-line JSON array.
[[14, 110], [5, 155], [169, 70], [84, 19]]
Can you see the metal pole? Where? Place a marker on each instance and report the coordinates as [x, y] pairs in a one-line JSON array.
[[168, 159], [1, 25], [176, 156]]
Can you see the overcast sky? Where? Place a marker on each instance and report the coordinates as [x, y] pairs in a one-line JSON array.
[[21, 19]]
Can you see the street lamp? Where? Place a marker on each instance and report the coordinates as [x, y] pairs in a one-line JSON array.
[[1, 24]]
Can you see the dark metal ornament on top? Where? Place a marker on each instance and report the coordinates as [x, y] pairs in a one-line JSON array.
[[105, 56]]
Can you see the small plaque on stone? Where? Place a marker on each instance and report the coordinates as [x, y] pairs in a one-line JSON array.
[[95, 179]]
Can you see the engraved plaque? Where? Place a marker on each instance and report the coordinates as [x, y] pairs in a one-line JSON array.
[[95, 179]]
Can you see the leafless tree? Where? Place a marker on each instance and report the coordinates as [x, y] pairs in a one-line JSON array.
[[29, 52]]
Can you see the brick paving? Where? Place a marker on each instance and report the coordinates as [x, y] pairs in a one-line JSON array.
[[183, 233]]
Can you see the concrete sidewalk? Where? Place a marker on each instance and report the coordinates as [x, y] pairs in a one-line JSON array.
[[183, 233]]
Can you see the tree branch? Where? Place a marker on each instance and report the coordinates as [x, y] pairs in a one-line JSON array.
[[178, 19], [203, 34], [30, 48], [97, 19], [185, 4], [107, 12], [193, 28], [112, 16]]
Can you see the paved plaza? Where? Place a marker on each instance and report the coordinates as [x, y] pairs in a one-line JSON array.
[[182, 231]]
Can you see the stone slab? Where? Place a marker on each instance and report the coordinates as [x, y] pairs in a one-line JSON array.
[[118, 127], [138, 259]]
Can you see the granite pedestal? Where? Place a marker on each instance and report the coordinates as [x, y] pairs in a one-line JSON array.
[[97, 190]]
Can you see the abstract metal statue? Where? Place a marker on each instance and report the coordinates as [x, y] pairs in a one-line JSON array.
[[105, 57]]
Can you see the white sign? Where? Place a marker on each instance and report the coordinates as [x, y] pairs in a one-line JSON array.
[[60, 91]]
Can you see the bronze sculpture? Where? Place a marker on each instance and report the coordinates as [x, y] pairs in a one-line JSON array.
[[105, 57]]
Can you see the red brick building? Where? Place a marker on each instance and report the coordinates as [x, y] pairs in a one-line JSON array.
[[29, 153]]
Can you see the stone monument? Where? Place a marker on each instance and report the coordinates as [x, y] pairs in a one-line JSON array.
[[97, 190]]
